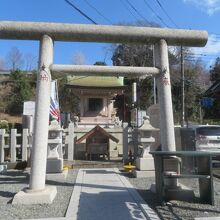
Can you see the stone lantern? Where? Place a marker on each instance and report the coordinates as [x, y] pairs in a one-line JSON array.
[[54, 152], [145, 161]]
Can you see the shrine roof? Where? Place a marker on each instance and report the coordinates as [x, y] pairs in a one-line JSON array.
[[95, 81], [95, 130]]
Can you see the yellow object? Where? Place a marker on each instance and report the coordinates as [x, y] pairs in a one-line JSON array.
[[66, 167], [129, 167]]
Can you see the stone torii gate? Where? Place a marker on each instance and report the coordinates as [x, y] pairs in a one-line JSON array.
[[47, 33]]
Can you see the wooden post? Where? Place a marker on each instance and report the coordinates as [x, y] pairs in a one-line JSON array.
[[13, 143], [24, 144], [2, 145], [125, 141]]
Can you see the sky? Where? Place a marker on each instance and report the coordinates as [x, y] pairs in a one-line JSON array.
[[184, 14]]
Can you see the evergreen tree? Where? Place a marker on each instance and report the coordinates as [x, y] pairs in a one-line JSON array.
[[215, 71], [21, 91], [135, 55]]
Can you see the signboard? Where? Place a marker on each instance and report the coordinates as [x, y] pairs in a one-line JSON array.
[[207, 102], [137, 117], [29, 108]]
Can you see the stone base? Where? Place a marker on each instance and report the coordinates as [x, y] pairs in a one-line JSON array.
[[171, 183], [3, 168], [45, 196], [153, 188], [57, 176], [181, 193], [54, 165], [143, 173], [145, 163]]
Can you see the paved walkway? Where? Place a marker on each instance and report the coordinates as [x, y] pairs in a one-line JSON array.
[[105, 194]]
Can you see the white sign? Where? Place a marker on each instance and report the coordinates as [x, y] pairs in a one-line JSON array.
[[29, 108]]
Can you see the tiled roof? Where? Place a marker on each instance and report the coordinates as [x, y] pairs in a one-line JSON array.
[[213, 89], [95, 81]]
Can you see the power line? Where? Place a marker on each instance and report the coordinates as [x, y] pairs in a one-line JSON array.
[[132, 6], [128, 9], [163, 9], [94, 8], [202, 55], [148, 5], [81, 12]]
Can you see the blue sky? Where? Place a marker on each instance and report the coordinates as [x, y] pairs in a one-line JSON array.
[[189, 14]]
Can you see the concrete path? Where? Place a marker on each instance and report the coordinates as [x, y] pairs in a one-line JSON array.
[[105, 194]]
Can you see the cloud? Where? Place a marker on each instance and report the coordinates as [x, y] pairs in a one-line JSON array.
[[212, 49], [208, 6]]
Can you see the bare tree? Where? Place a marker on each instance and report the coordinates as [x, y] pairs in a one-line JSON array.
[[78, 58], [30, 62], [2, 64], [15, 59]]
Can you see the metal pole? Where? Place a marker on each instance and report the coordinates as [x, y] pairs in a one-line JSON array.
[[165, 98], [39, 149], [200, 113], [134, 93], [125, 141], [183, 89], [155, 92], [134, 100]]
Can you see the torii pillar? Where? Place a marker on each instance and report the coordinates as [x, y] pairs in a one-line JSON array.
[[37, 191], [165, 98]]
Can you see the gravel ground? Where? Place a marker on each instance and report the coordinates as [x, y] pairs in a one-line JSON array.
[[178, 209], [13, 181]]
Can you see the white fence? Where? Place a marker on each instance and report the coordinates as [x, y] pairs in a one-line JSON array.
[[15, 146]]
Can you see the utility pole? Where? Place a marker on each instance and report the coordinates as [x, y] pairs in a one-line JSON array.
[[183, 89], [154, 87], [200, 113]]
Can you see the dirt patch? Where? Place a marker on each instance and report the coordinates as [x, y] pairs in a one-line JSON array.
[[10, 118]]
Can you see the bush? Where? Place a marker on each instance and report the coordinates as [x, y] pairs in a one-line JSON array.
[[211, 121], [4, 125]]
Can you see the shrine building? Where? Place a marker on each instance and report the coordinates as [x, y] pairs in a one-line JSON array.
[[96, 95]]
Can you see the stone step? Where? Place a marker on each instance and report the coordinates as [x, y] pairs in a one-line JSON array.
[[78, 164]]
